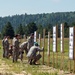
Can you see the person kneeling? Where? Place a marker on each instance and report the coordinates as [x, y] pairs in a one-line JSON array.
[[32, 55]]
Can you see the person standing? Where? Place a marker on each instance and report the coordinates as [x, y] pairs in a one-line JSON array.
[[30, 41], [16, 47], [3, 44], [6, 42]]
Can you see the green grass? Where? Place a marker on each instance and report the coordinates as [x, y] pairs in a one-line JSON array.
[[34, 70]]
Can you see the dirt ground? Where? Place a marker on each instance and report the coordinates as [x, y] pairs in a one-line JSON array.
[[4, 70]]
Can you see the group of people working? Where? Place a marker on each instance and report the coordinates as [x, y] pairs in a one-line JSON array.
[[18, 49]]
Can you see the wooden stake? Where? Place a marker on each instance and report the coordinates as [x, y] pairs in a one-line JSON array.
[[74, 67], [48, 52], [57, 60], [74, 49], [39, 44], [62, 61], [40, 40], [62, 45], [35, 36], [56, 45], [55, 35], [43, 45], [53, 60], [70, 66]]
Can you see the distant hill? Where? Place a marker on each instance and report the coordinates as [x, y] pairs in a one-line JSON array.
[[43, 19]]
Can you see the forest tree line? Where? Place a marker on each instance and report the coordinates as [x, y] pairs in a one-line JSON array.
[[40, 19], [26, 24], [8, 30]]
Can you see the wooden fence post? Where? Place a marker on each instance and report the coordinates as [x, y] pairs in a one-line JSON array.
[[48, 52], [62, 45], [43, 45]]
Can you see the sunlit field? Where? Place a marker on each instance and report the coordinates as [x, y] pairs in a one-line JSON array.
[[57, 60]]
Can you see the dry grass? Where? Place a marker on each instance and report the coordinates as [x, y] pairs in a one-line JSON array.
[[59, 62]]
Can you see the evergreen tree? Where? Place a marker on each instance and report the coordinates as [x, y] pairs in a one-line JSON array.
[[25, 30], [49, 28], [31, 27], [40, 29], [8, 30], [73, 24], [19, 30], [66, 29]]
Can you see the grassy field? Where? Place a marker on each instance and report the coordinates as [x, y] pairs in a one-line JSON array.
[[57, 61]]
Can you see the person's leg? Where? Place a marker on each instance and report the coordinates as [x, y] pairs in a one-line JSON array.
[[13, 54], [7, 53], [21, 56], [26, 51], [30, 61], [17, 55], [36, 58], [3, 52]]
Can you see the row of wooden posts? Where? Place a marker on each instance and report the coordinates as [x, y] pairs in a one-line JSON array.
[[55, 36], [62, 47]]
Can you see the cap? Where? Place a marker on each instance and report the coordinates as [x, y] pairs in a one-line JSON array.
[[36, 44]]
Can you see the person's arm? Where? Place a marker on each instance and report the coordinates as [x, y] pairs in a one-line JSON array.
[[7, 43], [2, 42], [29, 41], [40, 49]]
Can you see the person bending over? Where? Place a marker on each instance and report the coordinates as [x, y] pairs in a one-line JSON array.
[[34, 54]]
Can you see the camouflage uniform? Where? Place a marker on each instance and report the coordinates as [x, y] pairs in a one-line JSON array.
[[30, 42], [23, 47], [32, 54], [3, 44], [10, 51], [6, 42], [15, 49]]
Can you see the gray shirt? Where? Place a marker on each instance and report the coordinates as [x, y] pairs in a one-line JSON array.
[[6, 42], [33, 51], [15, 43], [23, 45], [30, 42]]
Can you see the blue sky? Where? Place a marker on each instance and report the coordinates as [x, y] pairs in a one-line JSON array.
[[13, 7]]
